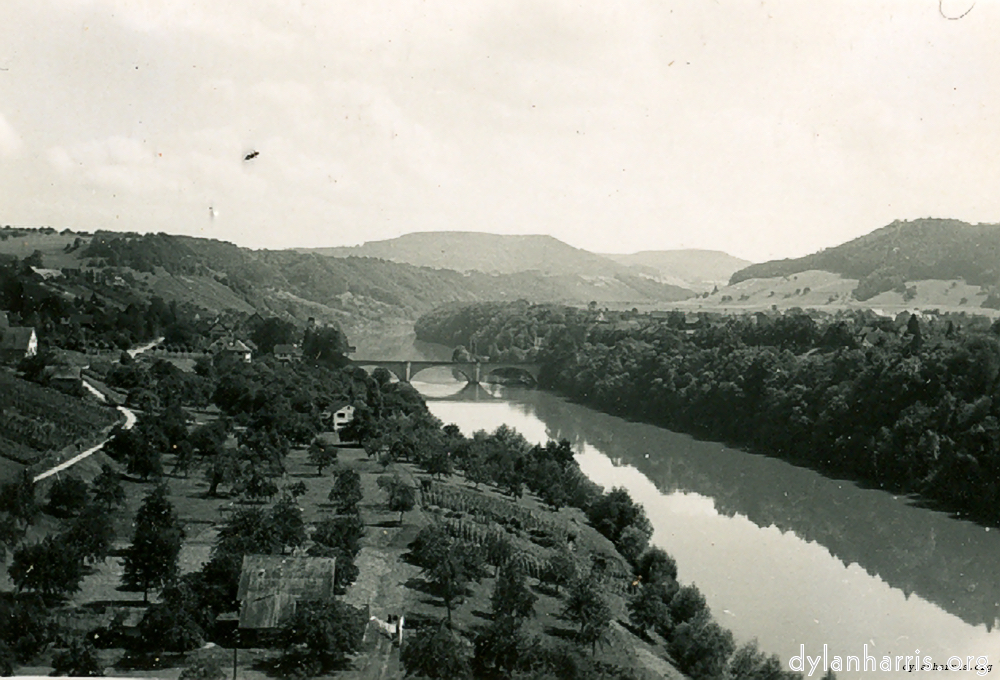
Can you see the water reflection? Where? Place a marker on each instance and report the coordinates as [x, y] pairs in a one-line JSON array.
[[782, 553]]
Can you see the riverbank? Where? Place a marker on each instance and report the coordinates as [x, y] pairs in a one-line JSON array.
[[782, 553]]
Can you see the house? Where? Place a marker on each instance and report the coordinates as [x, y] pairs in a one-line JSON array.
[[18, 342], [272, 585], [338, 416], [232, 347], [287, 353]]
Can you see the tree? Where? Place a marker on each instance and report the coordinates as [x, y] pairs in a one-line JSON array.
[[656, 565], [322, 455], [319, 637], [649, 608], [587, 607], [632, 543], [560, 570], [343, 533], [346, 492], [749, 663], [326, 346], [91, 534], [430, 546], [151, 560], [273, 331], [452, 575], [511, 595], [48, 567], [80, 660], [133, 448], [254, 483], [170, 626], [402, 497], [700, 647], [687, 603], [67, 496], [18, 498], [107, 490], [614, 511], [436, 652], [223, 468], [501, 648], [287, 524], [437, 462], [26, 627]]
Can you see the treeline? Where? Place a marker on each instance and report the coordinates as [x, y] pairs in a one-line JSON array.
[[911, 405]]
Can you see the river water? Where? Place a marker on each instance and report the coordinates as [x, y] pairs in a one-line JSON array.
[[781, 553]]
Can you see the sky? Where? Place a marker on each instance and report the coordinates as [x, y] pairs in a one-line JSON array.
[[764, 129]]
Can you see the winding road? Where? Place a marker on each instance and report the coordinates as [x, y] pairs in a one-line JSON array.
[[128, 413]]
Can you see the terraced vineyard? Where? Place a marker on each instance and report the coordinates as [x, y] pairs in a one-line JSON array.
[[35, 419]]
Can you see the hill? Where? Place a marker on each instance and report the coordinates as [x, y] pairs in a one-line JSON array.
[[888, 258], [353, 291], [698, 270], [489, 253]]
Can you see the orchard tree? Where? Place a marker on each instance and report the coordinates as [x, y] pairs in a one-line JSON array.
[[91, 534], [320, 637], [402, 497], [18, 498], [223, 468], [67, 497], [107, 490], [285, 518], [561, 569], [436, 652], [346, 492], [151, 560], [511, 595], [322, 455], [451, 576], [49, 567], [587, 607]]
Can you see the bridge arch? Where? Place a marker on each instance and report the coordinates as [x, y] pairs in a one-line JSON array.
[[474, 371]]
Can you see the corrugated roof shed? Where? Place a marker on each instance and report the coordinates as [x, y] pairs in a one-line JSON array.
[[271, 585]]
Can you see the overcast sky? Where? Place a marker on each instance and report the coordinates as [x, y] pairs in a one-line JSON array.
[[765, 129]]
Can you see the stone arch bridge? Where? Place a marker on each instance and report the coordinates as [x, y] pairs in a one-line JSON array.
[[474, 371]]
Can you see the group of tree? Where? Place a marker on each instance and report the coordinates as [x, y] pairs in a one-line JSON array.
[[55, 565], [909, 404]]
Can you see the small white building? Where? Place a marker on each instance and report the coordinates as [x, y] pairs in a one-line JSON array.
[[338, 416]]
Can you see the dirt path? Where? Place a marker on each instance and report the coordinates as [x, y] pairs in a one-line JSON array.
[[128, 413]]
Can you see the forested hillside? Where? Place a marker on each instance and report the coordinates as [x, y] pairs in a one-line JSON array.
[[911, 405], [347, 283], [903, 251]]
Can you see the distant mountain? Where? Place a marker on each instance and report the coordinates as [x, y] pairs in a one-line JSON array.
[[466, 251], [887, 258], [695, 269], [353, 291]]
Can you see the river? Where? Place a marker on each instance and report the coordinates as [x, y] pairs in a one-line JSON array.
[[781, 553]]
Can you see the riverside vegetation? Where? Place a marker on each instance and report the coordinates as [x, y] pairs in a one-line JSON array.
[[910, 404]]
